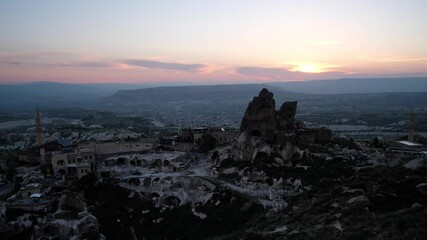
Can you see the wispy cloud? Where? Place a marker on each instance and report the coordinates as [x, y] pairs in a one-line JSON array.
[[393, 58], [187, 67], [285, 73], [11, 62], [46, 59], [52, 59], [266, 72], [34, 55], [75, 64], [92, 64]]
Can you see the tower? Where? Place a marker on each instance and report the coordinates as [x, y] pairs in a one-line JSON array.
[[39, 136], [411, 127]]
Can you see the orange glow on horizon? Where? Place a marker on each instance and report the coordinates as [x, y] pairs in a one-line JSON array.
[[308, 67]]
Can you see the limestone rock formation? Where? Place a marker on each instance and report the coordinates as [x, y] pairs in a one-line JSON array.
[[286, 115], [71, 221], [260, 116], [264, 131]]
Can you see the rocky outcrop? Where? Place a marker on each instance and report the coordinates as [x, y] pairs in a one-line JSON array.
[[71, 221], [260, 117], [265, 131], [286, 115]]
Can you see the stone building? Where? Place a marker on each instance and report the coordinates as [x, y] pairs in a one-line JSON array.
[[76, 162], [43, 153], [224, 136], [106, 149]]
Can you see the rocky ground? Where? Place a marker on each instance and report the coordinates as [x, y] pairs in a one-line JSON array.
[[348, 200], [357, 197]]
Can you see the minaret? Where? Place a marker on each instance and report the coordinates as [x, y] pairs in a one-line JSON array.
[[38, 128], [411, 127]]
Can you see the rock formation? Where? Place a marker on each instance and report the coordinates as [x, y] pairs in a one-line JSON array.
[[264, 131], [260, 117], [71, 221], [286, 115]]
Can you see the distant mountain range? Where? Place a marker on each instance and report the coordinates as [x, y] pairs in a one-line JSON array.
[[52, 94], [356, 85], [196, 93], [229, 98], [18, 97]]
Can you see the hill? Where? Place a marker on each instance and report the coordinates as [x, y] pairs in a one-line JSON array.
[[194, 93], [356, 85], [19, 97]]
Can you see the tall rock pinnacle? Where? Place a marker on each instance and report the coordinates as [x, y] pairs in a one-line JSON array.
[[264, 130]]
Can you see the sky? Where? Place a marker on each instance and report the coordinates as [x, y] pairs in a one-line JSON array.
[[210, 41]]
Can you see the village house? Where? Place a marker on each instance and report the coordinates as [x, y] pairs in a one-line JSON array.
[[106, 149], [43, 153], [74, 162]]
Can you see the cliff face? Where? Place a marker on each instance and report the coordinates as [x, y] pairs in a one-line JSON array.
[[266, 133]]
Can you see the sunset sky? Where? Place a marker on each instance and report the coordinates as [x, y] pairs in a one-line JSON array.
[[210, 41]]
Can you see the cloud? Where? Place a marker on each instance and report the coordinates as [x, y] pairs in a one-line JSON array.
[[51, 59], [14, 63], [286, 73], [91, 64], [60, 59], [393, 58], [76, 64], [266, 72], [166, 65], [74, 61], [34, 55], [23, 63]]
